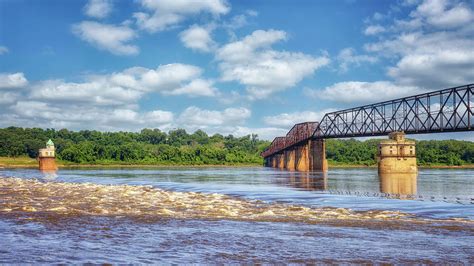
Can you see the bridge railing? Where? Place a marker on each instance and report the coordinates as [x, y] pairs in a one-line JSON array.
[[439, 111], [277, 144], [300, 132]]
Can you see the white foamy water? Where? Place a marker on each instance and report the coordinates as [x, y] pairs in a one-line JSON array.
[[29, 195]]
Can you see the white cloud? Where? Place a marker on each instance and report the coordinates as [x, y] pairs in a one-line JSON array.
[[201, 118], [444, 14], [290, 119], [363, 92], [98, 8], [262, 70], [159, 117], [165, 78], [3, 50], [114, 39], [57, 115], [12, 80], [8, 97], [225, 122], [197, 87], [266, 133], [107, 102], [442, 68], [239, 21], [168, 13], [198, 38], [348, 57], [374, 30], [432, 48], [128, 86], [97, 90]]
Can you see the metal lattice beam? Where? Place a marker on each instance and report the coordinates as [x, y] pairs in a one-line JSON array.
[[448, 110]]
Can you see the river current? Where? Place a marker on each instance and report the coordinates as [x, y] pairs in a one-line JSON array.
[[226, 215]]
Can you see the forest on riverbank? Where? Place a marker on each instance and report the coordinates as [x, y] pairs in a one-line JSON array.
[[178, 147]]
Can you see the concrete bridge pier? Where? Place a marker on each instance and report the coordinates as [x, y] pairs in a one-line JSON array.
[[302, 157], [280, 161], [290, 159], [273, 161], [317, 151]]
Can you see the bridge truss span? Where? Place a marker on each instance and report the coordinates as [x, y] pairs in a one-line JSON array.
[[448, 110]]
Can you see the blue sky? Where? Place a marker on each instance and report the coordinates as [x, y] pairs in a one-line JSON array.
[[230, 67]]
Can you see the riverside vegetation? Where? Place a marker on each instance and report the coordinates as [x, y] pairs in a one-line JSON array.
[[177, 147]]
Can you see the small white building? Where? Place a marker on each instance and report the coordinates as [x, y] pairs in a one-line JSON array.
[[49, 151]]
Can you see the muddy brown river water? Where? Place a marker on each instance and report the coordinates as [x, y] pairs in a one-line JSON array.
[[227, 215]]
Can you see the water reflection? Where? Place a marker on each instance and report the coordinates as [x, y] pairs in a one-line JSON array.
[[313, 181], [402, 186], [49, 175]]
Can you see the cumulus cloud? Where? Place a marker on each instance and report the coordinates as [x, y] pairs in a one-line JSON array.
[[263, 71], [163, 14], [290, 119], [197, 87], [432, 47], [374, 30], [266, 133], [104, 102], [195, 116], [127, 86], [363, 92], [7, 97], [198, 38], [443, 13], [3, 50], [98, 8], [347, 57], [98, 91], [226, 122], [12, 80], [58, 115], [239, 21], [111, 38]]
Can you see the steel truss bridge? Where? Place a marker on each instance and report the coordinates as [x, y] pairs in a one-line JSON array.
[[447, 110]]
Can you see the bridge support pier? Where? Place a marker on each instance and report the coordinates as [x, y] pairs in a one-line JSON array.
[[274, 161], [290, 155], [308, 156], [280, 161], [317, 153], [302, 157]]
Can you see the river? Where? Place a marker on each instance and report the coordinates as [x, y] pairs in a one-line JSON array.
[[229, 215]]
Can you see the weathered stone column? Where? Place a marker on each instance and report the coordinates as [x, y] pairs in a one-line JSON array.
[[396, 155], [317, 155], [302, 157], [290, 159], [274, 161], [280, 160]]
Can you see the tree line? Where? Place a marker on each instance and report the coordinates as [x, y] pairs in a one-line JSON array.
[[428, 152], [153, 146], [149, 146]]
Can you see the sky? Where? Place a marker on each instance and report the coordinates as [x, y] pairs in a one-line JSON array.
[[228, 67]]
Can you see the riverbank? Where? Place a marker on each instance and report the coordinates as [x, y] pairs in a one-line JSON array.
[[26, 162]]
